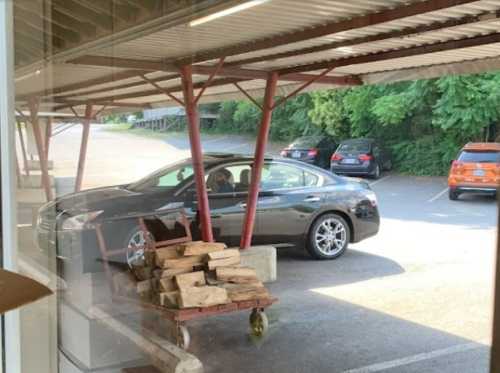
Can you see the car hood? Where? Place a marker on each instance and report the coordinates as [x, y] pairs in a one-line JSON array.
[[92, 200]]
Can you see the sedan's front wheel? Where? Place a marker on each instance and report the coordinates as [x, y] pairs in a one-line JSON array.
[[328, 237]]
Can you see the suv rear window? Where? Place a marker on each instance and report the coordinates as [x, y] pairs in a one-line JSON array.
[[469, 156], [354, 147], [306, 142]]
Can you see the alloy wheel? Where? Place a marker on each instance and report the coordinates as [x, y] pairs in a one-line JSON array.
[[330, 237]]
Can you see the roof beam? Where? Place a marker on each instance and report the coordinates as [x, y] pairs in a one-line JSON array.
[[80, 85], [400, 53], [436, 26], [207, 70], [121, 86], [74, 103], [126, 96], [330, 28]]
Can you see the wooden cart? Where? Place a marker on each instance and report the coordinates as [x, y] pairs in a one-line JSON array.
[[179, 317]]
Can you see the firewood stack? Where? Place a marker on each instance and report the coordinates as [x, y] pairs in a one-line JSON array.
[[191, 274]]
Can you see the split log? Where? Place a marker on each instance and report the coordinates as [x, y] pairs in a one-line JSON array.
[[167, 285], [190, 279], [229, 253], [186, 262], [169, 273], [170, 299], [163, 253], [200, 248], [243, 292], [238, 275], [231, 261], [203, 296]]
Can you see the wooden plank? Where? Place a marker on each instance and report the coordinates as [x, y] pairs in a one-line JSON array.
[[169, 299], [203, 296], [174, 272], [245, 292], [167, 285], [190, 279], [163, 253], [231, 261], [238, 275], [186, 262], [224, 254], [200, 248]]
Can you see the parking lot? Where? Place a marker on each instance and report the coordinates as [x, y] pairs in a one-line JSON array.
[[415, 298]]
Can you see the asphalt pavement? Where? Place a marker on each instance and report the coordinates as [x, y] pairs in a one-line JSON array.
[[415, 298]]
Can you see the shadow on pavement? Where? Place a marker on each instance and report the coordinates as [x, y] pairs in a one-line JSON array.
[[310, 332]]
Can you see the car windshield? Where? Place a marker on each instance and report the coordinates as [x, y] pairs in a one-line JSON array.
[[354, 147], [305, 142], [168, 177], [469, 156]]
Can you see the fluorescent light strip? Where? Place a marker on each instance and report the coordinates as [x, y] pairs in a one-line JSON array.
[[226, 12]]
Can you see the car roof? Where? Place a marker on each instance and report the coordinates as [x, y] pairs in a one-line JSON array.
[[485, 146], [361, 140]]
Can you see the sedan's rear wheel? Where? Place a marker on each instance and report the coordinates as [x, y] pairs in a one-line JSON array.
[[329, 237]]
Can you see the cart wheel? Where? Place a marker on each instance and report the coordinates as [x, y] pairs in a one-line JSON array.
[[258, 323], [183, 337]]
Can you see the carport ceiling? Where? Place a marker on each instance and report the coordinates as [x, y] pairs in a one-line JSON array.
[[125, 54]]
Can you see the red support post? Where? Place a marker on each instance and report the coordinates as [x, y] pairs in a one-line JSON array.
[[258, 163], [23, 147], [196, 152], [48, 135], [33, 105], [83, 147]]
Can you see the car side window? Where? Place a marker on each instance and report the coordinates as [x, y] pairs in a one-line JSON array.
[[229, 179], [310, 179], [282, 176], [175, 177]]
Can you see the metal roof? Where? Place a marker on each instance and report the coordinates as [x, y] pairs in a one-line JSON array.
[[365, 41]]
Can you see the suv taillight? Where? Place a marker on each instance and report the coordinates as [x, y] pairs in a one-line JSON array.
[[336, 157]]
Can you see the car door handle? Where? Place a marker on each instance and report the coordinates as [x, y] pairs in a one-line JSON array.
[[312, 199]]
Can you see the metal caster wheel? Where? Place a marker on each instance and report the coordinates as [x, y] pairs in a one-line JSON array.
[[259, 323], [183, 337]]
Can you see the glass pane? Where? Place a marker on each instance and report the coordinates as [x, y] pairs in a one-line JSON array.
[[479, 156], [280, 176]]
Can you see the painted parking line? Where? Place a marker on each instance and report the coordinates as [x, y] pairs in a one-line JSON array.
[[379, 367], [379, 180], [440, 194]]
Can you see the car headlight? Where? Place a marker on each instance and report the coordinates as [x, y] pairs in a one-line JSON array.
[[81, 221], [372, 197]]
